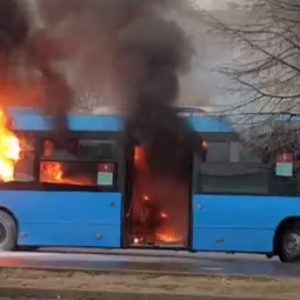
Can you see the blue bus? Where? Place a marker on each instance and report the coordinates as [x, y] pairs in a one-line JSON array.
[[95, 191]]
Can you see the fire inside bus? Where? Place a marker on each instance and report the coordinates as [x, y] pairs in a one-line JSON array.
[[98, 191]]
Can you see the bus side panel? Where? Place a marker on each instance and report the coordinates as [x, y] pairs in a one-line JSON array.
[[239, 223], [54, 218]]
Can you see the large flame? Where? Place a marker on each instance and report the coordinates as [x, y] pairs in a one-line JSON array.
[[160, 207], [56, 172], [9, 150], [52, 172]]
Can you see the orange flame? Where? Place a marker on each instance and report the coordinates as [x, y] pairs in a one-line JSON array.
[[168, 237], [205, 145], [146, 198], [53, 172], [163, 215], [136, 241], [9, 150]]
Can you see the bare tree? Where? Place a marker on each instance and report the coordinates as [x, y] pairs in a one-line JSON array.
[[266, 69], [267, 52]]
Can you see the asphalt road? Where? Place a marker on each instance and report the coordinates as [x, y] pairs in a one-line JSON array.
[[142, 260]]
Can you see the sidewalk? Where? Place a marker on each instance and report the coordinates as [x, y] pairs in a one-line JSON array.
[[20, 284]]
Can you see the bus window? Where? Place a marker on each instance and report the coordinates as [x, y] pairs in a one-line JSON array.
[[217, 152], [96, 150], [234, 152], [24, 167], [69, 173], [77, 164], [233, 178], [51, 151], [227, 170], [247, 155]]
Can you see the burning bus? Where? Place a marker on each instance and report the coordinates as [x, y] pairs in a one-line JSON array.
[[97, 190]]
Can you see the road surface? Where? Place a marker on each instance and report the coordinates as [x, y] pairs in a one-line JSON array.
[[139, 260]]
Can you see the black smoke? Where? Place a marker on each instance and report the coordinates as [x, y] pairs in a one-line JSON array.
[[58, 97], [13, 25], [140, 53], [13, 32], [160, 51], [129, 45], [16, 37]]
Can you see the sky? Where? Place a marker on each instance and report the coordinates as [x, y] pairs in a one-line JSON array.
[[210, 4], [204, 86]]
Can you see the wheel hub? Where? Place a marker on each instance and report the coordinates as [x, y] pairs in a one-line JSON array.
[[293, 244]]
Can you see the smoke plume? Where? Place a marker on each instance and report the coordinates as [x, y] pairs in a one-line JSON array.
[[127, 47], [13, 32], [131, 47], [159, 51], [17, 37]]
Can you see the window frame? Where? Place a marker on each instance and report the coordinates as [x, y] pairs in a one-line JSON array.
[[287, 189], [40, 136], [118, 178], [226, 137], [90, 187], [199, 188]]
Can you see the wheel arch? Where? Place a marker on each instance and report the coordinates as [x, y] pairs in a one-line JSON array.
[[284, 224], [11, 214]]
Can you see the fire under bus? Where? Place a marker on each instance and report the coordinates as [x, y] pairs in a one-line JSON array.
[[93, 191]]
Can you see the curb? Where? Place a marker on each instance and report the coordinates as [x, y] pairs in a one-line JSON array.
[[31, 293]]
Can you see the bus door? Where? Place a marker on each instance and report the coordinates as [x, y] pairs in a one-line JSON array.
[[157, 208]]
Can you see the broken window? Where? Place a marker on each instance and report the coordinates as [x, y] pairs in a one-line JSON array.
[[24, 166], [79, 163]]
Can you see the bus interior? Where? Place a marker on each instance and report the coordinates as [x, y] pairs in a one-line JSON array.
[[157, 208]]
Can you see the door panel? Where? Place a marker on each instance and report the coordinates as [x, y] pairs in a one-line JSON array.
[[233, 223], [50, 218]]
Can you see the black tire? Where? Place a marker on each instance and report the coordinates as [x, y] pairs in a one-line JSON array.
[[8, 232], [289, 244]]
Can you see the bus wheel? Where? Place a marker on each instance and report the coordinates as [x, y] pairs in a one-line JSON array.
[[289, 247], [8, 232]]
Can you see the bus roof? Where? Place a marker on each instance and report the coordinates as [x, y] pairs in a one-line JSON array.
[[34, 120]]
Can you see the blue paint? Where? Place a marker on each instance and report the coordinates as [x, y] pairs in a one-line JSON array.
[[94, 219], [34, 120], [49, 218], [207, 124], [31, 120], [239, 223]]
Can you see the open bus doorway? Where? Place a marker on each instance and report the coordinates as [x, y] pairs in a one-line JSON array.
[[158, 206]]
